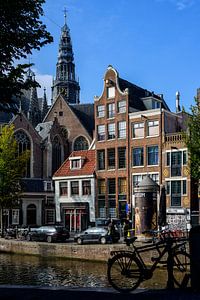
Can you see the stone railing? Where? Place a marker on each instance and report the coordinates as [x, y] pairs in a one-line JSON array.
[[173, 138]]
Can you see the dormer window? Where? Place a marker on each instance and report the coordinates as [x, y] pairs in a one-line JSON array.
[[76, 162], [155, 104]]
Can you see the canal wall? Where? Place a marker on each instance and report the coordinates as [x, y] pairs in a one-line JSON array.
[[94, 252]]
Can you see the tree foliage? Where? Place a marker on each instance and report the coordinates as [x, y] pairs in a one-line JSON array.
[[12, 167], [21, 31], [192, 140]]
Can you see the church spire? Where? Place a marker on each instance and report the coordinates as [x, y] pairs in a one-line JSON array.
[[44, 105], [65, 82]]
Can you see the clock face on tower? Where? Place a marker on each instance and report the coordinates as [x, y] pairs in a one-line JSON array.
[[64, 91]]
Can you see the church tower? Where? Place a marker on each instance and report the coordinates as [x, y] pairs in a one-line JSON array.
[[65, 82]]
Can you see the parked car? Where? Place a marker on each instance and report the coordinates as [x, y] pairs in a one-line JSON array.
[[101, 222], [96, 234], [48, 234]]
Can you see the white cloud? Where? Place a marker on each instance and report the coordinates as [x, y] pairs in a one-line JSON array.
[[45, 81], [180, 4]]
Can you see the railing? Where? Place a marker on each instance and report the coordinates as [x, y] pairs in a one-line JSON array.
[[173, 138]]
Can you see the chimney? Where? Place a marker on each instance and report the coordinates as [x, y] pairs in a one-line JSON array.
[[178, 102]]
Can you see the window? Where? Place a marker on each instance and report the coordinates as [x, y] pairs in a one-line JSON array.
[[176, 193], [184, 157], [111, 131], [75, 164], [74, 188], [101, 159], [154, 177], [111, 92], [168, 158], [122, 129], [23, 143], [111, 186], [111, 158], [122, 187], [153, 128], [138, 178], [86, 187], [184, 187], [152, 155], [60, 113], [111, 110], [101, 186], [48, 186], [49, 216], [102, 209], [122, 157], [155, 104], [121, 106], [15, 216], [176, 163], [63, 188], [138, 130], [167, 187], [138, 157], [101, 132], [81, 144], [50, 201], [100, 111]]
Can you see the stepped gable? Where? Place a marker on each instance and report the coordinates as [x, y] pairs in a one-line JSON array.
[[87, 168], [85, 113]]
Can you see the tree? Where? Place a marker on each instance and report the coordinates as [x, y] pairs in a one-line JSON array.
[[12, 167], [192, 140], [21, 31]]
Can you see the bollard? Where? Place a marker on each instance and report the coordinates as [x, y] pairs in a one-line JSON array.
[[194, 242]]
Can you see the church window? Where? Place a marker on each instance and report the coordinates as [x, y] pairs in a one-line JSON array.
[[81, 144], [24, 144]]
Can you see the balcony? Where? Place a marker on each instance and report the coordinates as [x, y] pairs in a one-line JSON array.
[[173, 138]]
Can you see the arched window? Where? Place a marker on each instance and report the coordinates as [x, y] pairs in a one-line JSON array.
[[56, 154], [23, 145], [81, 144]]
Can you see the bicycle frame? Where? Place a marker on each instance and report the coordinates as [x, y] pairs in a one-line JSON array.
[[168, 246]]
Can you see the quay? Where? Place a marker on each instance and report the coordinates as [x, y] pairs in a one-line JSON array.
[[68, 250], [37, 293]]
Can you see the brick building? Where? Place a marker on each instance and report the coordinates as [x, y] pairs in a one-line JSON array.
[[137, 135]]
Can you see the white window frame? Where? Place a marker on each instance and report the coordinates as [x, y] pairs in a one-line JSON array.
[[122, 130]]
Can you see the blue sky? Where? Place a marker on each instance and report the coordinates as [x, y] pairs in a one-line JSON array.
[[152, 43]]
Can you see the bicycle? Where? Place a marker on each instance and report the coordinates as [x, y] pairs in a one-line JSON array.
[[126, 268]]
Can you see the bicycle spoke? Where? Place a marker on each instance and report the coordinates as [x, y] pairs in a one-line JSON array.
[[124, 273], [181, 269]]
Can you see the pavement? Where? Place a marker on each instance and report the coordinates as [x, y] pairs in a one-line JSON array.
[[8, 292]]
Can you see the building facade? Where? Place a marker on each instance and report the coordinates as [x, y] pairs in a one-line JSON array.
[[136, 135], [75, 191]]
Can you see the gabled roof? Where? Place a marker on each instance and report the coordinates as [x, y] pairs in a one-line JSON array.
[[88, 166], [85, 113], [137, 93]]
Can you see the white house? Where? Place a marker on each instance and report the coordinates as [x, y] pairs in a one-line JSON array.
[[75, 190]]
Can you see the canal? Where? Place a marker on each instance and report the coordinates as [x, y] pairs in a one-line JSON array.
[[40, 271]]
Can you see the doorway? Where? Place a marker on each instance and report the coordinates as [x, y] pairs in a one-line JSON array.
[[31, 214]]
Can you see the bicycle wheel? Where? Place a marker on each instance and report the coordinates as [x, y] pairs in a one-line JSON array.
[[124, 272], [181, 269]]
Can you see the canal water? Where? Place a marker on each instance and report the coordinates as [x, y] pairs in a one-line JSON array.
[[39, 271]]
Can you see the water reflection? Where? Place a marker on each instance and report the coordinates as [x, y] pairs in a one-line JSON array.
[[31, 270]]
